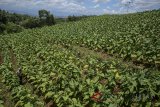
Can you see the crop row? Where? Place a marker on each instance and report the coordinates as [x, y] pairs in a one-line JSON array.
[[61, 76], [133, 37], [21, 95], [1, 99]]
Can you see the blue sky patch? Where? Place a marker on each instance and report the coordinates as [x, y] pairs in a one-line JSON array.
[[79, 7]]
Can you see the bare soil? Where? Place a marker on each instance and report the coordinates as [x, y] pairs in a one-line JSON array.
[[13, 60], [104, 56], [1, 58]]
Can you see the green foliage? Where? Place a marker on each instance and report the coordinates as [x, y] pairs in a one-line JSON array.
[[13, 28], [31, 23], [6, 17], [20, 94], [50, 20], [3, 17], [77, 18], [13, 23], [43, 14], [62, 76], [10, 28], [1, 100], [72, 18], [46, 18], [60, 20], [2, 28], [126, 36]]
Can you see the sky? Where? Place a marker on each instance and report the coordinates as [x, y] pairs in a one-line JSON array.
[[79, 7]]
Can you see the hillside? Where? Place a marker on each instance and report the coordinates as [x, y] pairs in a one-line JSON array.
[[109, 60]]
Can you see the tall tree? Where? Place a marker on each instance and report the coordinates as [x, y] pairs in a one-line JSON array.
[[50, 20], [3, 17], [43, 14], [46, 18]]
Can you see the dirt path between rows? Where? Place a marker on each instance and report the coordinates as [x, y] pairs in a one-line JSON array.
[[104, 56], [26, 84], [13, 60], [1, 58], [85, 52], [5, 92]]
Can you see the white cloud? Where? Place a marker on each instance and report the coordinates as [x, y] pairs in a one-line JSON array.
[[125, 1], [97, 6], [141, 5], [80, 6], [71, 6], [109, 11], [98, 1], [135, 5]]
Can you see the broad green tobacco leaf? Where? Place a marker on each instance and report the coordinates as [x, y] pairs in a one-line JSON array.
[[65, 98], [86, 97], [88, 81], [157, 104], [74, 101], [28, 105], [148, 104], [19, 103], [1, 105], [49, 94], [112, 105]]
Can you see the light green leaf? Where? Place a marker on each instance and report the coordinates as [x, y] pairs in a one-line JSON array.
[[49, 94], [28, 105]]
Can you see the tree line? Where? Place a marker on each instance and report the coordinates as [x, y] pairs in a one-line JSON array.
[[13, 22]]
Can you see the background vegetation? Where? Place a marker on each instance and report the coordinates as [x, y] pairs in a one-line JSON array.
[[14, 23]]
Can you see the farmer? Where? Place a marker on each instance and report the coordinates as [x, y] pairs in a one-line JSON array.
[[19, 74]]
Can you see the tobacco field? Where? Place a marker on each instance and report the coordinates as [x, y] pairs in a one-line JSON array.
[[59, 69]]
